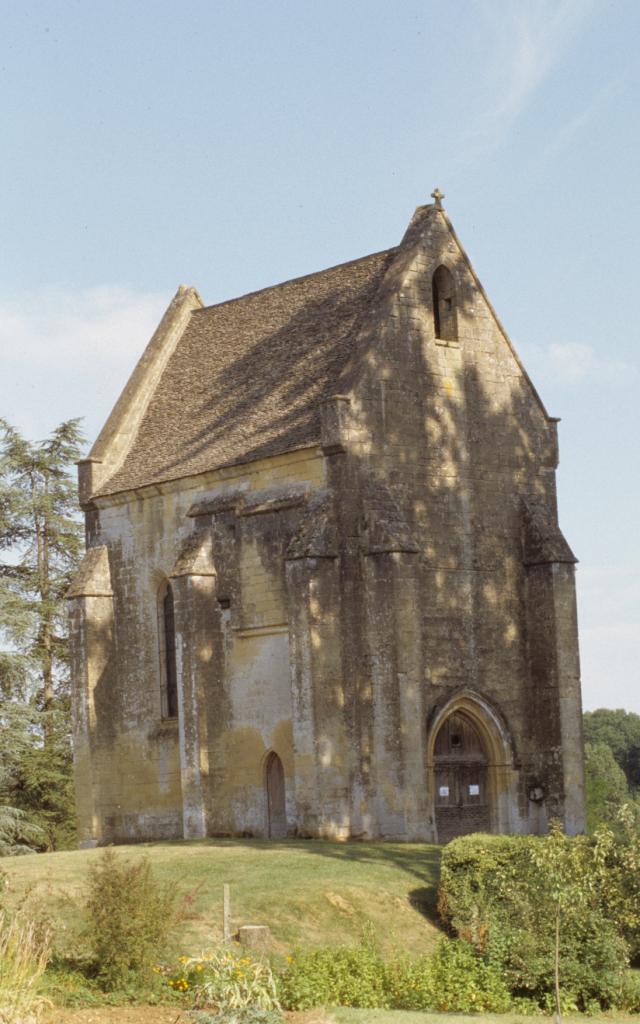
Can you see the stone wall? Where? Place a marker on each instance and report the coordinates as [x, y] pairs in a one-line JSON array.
[[157, 777], [457, 433]]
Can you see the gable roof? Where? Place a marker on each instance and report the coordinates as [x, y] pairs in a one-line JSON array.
[[246, 377]]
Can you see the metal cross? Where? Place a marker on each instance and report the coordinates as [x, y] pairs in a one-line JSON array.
[[438, 196]]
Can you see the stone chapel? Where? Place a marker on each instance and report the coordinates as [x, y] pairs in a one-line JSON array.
[[325, 592]]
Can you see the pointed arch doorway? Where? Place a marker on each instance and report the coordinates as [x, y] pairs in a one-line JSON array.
[[275, 793], [471, 772], [460, 770]]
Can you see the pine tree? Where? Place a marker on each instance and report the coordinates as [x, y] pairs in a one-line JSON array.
[[40, 546]]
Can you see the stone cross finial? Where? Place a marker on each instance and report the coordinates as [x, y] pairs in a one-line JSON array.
[[438, 196]]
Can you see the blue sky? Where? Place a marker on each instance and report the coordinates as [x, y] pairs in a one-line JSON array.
[[231, 145]]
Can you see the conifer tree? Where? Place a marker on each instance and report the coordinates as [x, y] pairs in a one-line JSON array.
[[40, 546]]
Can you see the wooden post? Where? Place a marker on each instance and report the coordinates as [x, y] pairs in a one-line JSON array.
[[226, 912]]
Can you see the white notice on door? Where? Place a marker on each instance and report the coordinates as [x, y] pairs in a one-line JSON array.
[[474, 790], [443, 791]]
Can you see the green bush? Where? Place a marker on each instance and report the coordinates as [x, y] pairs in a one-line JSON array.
[[475, 872], [616, 875], [335, 976], [130, 916], [462, 982], [628, 995], [454, 978], [506, 894], [408, 983]]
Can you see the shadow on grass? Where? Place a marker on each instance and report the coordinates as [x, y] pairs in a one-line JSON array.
[[425, 901]]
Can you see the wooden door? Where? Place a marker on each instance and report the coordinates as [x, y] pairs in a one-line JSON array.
[[460, 769], [276, 812]]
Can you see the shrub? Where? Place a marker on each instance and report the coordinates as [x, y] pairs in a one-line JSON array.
[[453, 978], [616, 870], [462, 982], [474, 873], [131, 915], [24, 952], [507, 894], [335, 976], [408, 983], [225, 979], [628, 995]]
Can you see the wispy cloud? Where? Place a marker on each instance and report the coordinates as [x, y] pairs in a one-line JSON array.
[[74, 347], [525, 42], [578, 124], [573, 362]]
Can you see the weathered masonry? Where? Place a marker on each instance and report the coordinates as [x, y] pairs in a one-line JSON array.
[[325, 592]]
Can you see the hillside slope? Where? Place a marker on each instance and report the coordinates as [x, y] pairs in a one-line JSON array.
[[308, 892]]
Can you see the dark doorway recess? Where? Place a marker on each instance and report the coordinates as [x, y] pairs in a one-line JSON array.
[[276, 813], [461, 790]]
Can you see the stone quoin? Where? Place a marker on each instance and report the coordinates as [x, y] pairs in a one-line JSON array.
[[325, 592]]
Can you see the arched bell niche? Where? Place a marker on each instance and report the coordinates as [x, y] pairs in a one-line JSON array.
[[445, 321]]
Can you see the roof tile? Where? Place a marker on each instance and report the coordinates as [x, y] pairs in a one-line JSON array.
[[247, 376]]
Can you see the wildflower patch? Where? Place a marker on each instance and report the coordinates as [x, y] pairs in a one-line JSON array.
[[224, 978]]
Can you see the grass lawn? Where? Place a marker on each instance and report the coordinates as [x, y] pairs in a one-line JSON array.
[[309, 893]]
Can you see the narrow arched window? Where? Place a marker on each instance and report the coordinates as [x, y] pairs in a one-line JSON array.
[[168, 653], [444, 309]]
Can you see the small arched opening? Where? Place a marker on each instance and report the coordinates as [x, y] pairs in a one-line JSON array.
[[470, 765], [445, 321], [275, 797], [167, 644]]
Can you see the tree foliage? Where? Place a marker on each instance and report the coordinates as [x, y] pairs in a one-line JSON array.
[[17, 833], [606, 787], [620, 731], [41, 540], [40, 546]]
